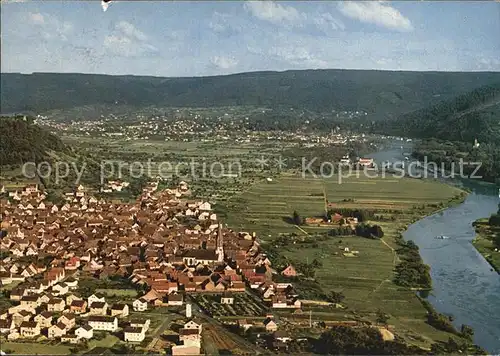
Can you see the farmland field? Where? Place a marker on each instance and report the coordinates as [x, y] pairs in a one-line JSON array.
[[24, 348], [265, 206], [366, 280], [108, 341]]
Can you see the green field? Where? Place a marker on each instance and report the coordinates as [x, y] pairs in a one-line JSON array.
[[25, 348], [129, 293], [108, 341], [367, 279]]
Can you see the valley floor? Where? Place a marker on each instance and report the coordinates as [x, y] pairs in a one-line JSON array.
[[367, 279]]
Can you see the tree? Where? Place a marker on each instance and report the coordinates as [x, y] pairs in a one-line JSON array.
[[316, 264], [124, 349], [467, 332], [335, 297], [344, 340], [377, 231], [494, 220], [382, 318], [367, 230], [137, 185], [496, 240], [54, 197], [306, 269], [410, 244], [297, 220]]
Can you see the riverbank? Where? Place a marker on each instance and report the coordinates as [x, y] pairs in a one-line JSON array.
[[464, 284], [483, 242]]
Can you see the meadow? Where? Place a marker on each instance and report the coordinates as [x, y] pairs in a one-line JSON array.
[[484, 243], [265, 206], [27, 348]]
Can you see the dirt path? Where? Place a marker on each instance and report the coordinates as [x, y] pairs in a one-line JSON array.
[[157, 332], [394, 253], [301, 229], [394, 262]]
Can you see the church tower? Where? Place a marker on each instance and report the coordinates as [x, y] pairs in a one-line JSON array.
[[220, 245]]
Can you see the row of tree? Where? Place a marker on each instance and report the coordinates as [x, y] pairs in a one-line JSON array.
[[344, 340], [370, 231], [411, 272]]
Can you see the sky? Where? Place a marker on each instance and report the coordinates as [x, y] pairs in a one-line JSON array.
[[209, 38]]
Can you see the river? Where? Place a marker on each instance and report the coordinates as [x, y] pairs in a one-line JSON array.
[[464, 284]]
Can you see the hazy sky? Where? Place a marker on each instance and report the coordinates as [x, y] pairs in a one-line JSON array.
[[206, 38]]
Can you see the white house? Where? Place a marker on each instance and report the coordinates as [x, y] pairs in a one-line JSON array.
[[140, 304], [56, 305], [119, 310], [205, 206], [56, 331], [270, 325], [95, 298], [100, 322], [70, 338], [175, 299], [131, 334], [67, 319], [143, 324], [85, 332], [29, 329], [193, 325]]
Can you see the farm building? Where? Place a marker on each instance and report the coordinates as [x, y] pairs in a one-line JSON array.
[[289, 271]]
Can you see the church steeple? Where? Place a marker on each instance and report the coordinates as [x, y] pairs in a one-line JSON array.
[[220, 244]]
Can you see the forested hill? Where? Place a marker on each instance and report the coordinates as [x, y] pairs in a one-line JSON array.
[[381, 93], [469, 116], [22, 141]]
